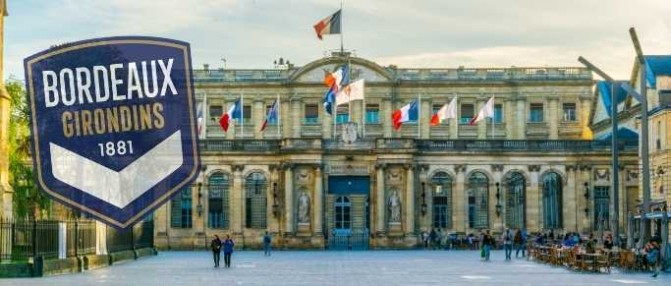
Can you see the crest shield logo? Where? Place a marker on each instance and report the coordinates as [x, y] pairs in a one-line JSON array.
[[113, 124]]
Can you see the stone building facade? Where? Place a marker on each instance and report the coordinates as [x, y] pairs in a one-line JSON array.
[[305, 180]]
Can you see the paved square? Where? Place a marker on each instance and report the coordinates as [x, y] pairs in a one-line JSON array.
[[339, 268]]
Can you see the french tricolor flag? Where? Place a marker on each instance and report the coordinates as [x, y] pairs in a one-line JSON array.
[[272, 115], [233, 113], [408, 112], [329, 25]]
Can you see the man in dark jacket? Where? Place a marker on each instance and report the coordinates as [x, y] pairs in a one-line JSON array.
[[228, 251], [267, 242], [216, 250]]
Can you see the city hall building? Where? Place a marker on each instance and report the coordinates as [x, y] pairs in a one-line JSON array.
[[317, 181]]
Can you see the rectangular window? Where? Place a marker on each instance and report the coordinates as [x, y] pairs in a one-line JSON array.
[[536, 112], [180, 210], [247, 114], [498, 113], [216, 111], [271, 120], [569, 112], [311, 114], [342, 114], [467, 112], [602, 207], [372, 113]]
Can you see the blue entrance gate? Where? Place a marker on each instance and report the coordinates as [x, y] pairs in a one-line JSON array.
[[348, 212]]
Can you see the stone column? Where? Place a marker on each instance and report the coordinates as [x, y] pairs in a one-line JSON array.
[[6, 193], [509, 118], [521, 119], [585, 203], [327, 123], [296, 112], [622, 218], [460, 217], [288, 198], [553, 120], [482, 125], [380, 201], [533, 203], [425, 195], [570, 203], [237, 200], [286, 121], [271, 218], [425, 117], [584, 111], [498, 221], [355, 113], [318, 202], [410, 200], [258, 114], [385, 117]]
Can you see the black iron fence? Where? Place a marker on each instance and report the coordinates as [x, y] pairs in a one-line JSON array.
[[23, 239]]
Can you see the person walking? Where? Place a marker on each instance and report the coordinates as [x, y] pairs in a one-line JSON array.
[[651, 251], [215, 245], [517, 242], [508, 243], [228, 251], [487, 242], [432, 238], [267, 242]]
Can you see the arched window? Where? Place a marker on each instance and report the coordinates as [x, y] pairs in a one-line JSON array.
[[514, 200], [218, 215], [441, 185], [255, 200], [478, 201], [552, 200], [181, 210], [343, 217]]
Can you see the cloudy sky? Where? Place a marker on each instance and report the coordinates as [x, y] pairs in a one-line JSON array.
[[419, 33]]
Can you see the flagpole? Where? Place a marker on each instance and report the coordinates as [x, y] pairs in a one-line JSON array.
[[279, 117], [419, 116], [342, 49], [242, 115]]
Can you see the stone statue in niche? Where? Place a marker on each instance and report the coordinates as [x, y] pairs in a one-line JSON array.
[[394, 204], [304, 208]]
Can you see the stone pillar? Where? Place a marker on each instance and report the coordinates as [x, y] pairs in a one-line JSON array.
[[296, 122], [286, 121], [327, 123], [570, 203], [460, 217], [553, 118], [425, 195], [272, 199], [380, 202], [424, 118], [288, 198], [585, 203], [521, 119], [533, 203], [509, 118], [355, 113], [318, 202], [385, 117], [258, 114], [237, 200], [622, 218], [482, 125], [584, 111], [498, 221], [410, 200], [6, 193]]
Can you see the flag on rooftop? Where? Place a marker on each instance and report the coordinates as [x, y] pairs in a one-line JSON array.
[[328, 25]]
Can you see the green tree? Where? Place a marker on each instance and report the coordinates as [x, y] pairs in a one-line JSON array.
[[28, 200]]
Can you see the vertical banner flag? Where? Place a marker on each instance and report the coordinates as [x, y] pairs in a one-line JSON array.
[[406, 113], [445, 112], [234, 113], [328, 25], [271, 116], [114, 131], [486, 111], [202, 122]]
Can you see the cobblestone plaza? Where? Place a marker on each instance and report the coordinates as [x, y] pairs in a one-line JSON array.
[[412, 267]]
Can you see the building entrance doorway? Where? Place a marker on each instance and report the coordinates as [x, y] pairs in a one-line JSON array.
[[347, 213]]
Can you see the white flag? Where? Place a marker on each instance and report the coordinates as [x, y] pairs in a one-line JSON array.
[[486, 111], [351, 92], [445, 112]]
